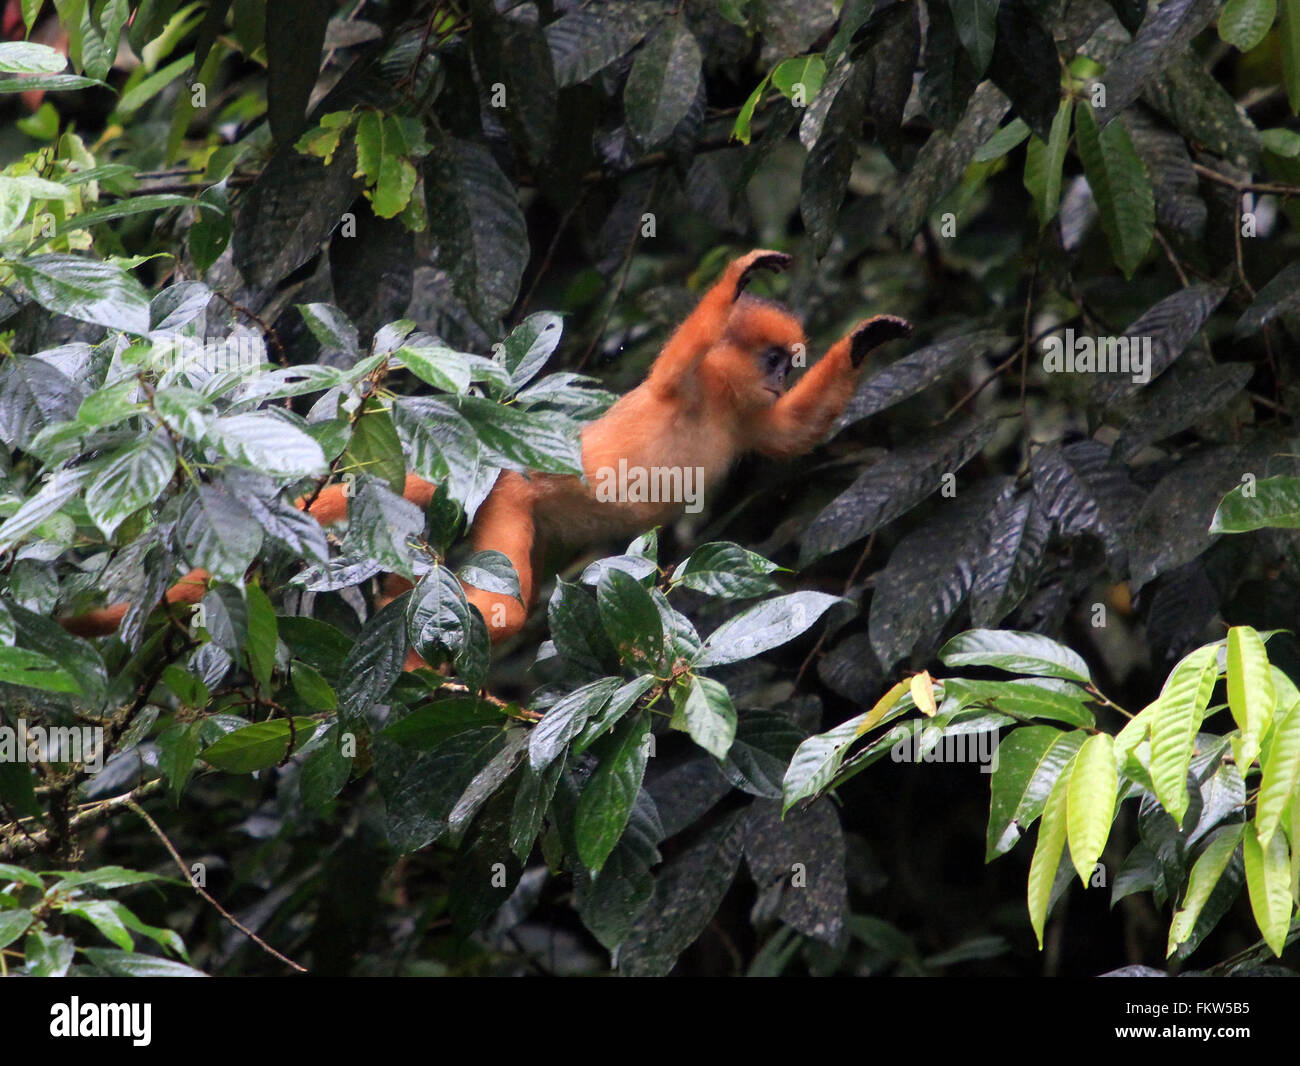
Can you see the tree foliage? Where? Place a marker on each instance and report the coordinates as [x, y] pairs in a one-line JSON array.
[[247, 249]]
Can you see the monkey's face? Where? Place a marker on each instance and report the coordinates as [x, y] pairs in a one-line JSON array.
[[774, 371]]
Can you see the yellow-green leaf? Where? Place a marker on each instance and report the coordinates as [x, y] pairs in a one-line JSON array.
[[883, 706], [1277, 787], [1268, 879], [1250, 689], [1181, 707], [1090, 806], [1047, 855]]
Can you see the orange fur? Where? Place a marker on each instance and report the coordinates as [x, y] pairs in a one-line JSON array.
[[705, 402]]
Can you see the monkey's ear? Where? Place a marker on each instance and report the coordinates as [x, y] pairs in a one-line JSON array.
[[773, 261], [875, 332]]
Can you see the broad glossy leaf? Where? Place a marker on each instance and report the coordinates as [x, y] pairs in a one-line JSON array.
[[766, 625], [259, 746], [1020, 653], [91, 290]]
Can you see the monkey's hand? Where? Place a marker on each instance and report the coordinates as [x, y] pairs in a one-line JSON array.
[[874, 332], [742, 270]]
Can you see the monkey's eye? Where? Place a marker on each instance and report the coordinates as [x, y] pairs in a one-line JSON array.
[[774, 357]]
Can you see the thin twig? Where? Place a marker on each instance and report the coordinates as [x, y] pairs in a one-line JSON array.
[[1173, 259], [185, 873], [1276, 188], [267, 331]]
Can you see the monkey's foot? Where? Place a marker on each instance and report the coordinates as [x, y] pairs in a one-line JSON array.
[[874, 332], [755, 261]]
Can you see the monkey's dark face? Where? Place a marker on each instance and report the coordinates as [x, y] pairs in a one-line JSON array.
[[774, 370]]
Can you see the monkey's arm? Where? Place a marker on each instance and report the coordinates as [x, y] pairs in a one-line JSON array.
[[798, 421], [704, 327]]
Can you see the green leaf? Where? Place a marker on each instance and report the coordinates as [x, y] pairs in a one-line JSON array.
[[806, 71], [1251, 697], [28, 57], [48, 83], [703, 708], [817, 760], [530, 344], [9, 872], [1278, 785], [1090, 804], [216, 532], [727, 570], [311, 687], [1029, 762], [1181, 706], [1290, 34], [331, 327], [60, 487], [977, 27], [105, 877], [1043, 163], [211, 231], [565, 719], [259, 746], [1120, 186], [1245, 23], [1273, 502], [443, 368], [269, 444], [13, 924], [1047, 855], [606, 801], [528, 440], [132, 478], [178, 748], [1003, 141], [1050, 698], [1200, 883], [89, 290], [742, 129], [262, 636], [619, 704], [662, 84], [134, 205], [18, 666], [766, 625], [102, 914], [134, 964], [374, 447], [1017, 653], [532, 801], [1268, 880], [630, 617], [432, 725]]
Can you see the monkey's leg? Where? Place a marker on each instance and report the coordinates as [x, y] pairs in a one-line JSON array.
[[505, 523]]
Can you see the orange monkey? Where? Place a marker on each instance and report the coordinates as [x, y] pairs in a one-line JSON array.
[[716, 391]]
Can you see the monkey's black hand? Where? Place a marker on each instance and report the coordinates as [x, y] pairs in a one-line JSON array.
[[875, 332], [756, 261]]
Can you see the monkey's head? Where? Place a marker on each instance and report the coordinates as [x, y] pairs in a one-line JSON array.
[[758, 349]]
